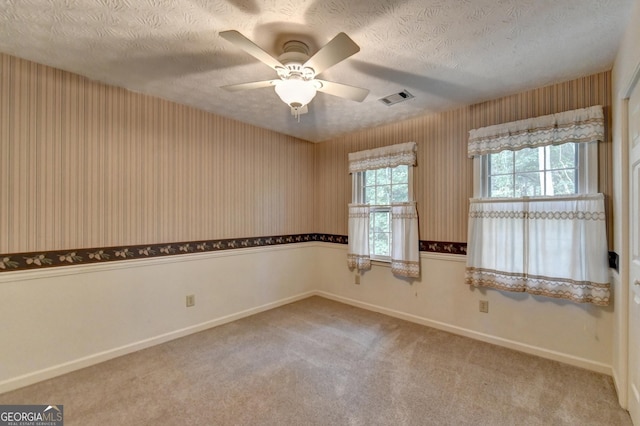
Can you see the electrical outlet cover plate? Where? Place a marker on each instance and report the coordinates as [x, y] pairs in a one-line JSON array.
[[191, 300]]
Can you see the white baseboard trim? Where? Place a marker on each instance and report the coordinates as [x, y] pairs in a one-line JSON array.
[[77, 364], [499, 341], [621, 389]]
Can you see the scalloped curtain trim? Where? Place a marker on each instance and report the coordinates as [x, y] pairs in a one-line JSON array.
[[576, 291], [549, 247], [580, 126], [386, 156]]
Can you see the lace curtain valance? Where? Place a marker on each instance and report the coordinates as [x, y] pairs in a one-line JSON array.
[[386, 156], [580, 125]]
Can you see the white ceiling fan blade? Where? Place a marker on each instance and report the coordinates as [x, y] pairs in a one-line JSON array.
[[249, 86], [337, 50], [343, 90], [251, 48]]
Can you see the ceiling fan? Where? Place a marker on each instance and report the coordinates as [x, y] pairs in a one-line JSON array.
[[297, 83]]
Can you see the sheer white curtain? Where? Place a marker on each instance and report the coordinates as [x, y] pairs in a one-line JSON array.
[[548, 246], [554, 248], [358, 248], [405, 254]]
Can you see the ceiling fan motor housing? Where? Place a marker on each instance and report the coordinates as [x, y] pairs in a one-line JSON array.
[[296, 53]]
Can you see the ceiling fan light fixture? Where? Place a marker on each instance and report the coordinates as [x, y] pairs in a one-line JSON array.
[[295, 92], [297, 70]]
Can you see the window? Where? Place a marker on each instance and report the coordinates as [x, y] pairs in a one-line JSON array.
[[537, 223], [545, 171], [383, 220], [549, 170], [380, 189]]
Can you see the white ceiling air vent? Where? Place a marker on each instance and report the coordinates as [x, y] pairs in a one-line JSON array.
[[396, 98]]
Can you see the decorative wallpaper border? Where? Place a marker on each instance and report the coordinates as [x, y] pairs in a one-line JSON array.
[[443, 247], [52, 258]]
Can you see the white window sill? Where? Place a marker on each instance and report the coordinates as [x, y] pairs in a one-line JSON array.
[[383, 263]]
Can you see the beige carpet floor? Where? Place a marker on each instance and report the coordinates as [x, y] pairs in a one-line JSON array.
[[318, 362]]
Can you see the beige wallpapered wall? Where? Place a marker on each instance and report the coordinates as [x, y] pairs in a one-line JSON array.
[[83, 165], [444, 174]]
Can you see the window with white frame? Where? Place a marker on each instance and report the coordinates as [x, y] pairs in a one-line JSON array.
[[380, 189], [383, 220], [545, 171], [537, 223]]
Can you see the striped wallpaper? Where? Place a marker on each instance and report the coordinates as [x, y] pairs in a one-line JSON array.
[[86, 165], [444, 174], [83, 164]]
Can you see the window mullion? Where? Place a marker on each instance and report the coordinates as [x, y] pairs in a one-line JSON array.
[[513, 177], [410, 184]]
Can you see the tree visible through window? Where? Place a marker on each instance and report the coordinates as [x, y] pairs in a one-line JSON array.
[[542, 171]]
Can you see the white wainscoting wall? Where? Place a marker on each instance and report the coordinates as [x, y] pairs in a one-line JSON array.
[[577, 334], [62, 319]]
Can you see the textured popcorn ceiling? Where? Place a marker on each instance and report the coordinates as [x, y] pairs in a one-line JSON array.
[[447, 53]]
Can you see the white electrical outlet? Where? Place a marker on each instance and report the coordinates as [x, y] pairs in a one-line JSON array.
[[191, 300], [356, 280], [484, 306]]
